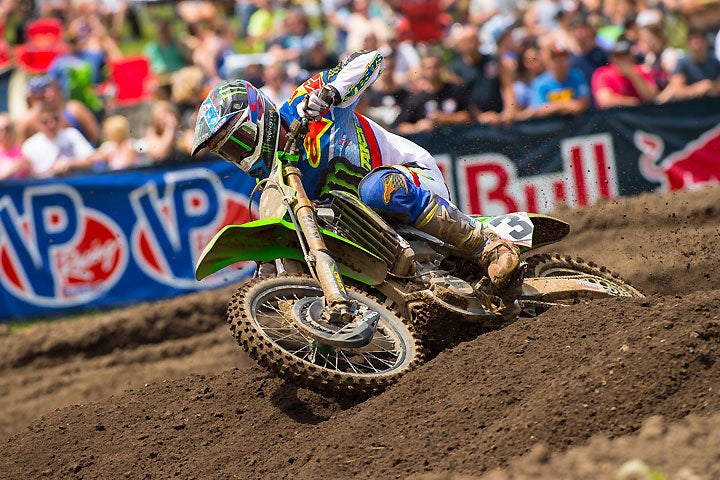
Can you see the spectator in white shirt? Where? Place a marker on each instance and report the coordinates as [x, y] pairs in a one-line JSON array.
[[54, 150]]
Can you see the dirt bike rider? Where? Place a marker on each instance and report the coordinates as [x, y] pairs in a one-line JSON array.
[[344, 150]]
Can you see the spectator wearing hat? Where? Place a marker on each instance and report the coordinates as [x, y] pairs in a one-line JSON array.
[[507, 45], [697, 74], [25, 125], [561, 90], [44, 91], [55, 150], [623, 82], [484, 77]]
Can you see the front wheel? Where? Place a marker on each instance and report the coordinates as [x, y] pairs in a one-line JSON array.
[[260, 315], [563, 266]]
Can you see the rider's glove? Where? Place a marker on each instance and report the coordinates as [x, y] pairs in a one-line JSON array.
[[319, 101]]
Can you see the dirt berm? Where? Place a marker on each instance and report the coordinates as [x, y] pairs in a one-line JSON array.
[[162, 390]]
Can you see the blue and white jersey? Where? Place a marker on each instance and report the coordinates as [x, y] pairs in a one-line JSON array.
[[343, 146]]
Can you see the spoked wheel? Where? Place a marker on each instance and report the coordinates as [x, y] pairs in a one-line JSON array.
[[563, 266], [261, 319]]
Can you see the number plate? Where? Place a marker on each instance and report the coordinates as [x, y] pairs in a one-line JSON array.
[[515, 227]]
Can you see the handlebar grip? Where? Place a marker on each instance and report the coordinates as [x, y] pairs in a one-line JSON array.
[[329, 95]]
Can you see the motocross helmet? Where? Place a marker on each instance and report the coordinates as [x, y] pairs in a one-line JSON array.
[[239, 123]]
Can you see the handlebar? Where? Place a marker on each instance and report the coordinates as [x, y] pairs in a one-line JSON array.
[[299, 128], [296, 135]]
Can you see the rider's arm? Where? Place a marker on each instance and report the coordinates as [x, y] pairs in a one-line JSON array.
[[357, 73]]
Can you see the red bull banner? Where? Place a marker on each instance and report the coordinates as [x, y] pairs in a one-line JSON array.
[[107, 240], [537, 165]]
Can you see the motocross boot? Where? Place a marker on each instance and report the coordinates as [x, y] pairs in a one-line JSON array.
[[444, 221]]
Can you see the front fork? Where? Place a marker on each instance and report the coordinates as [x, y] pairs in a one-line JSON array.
[[326, 271]]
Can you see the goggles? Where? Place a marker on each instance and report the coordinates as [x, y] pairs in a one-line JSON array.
[[240, 144]]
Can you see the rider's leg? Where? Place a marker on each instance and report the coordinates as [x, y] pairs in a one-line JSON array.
[[390, 191]]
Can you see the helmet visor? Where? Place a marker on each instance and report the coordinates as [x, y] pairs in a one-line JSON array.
[[240, 144]]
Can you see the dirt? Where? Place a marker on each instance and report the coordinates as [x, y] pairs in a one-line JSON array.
[[616, 389]]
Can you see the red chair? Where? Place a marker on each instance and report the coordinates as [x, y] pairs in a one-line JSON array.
[[44, 31], [37, 59], [44, 42], [5, 55], [131, 80]]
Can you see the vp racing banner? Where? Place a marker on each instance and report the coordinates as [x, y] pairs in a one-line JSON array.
[[114, 239], [106, 240]]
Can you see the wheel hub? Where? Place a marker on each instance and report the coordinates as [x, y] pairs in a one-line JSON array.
[[311, 316]]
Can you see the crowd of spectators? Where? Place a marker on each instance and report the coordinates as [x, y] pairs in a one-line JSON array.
[[447, 62]]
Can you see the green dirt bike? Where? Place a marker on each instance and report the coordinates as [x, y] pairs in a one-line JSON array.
[[353, 302]]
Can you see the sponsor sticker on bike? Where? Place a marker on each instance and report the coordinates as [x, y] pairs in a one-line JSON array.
[[590, 285]]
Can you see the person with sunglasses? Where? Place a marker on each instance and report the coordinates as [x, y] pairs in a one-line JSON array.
[[55, 150]]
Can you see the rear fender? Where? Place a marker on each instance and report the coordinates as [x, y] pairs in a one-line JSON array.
[[547, 229], [270, 238]]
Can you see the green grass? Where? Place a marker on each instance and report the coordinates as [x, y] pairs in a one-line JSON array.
[[148, 17]]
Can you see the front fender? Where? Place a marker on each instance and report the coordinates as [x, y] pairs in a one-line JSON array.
[[270, 238]]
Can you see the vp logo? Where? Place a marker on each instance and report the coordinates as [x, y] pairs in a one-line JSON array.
[[56, 252], [176, 219]]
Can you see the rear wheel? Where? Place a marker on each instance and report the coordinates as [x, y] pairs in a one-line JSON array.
[[261, 319], [564, 266]]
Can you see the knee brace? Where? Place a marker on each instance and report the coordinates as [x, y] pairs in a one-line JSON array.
[[391, 193]]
